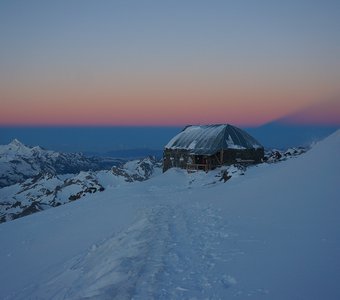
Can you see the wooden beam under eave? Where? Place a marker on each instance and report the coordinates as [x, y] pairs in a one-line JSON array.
[[221, 156]]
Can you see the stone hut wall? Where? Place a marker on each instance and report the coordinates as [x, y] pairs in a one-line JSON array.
[[181, 158]]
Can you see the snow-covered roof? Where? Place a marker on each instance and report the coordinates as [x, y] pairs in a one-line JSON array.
[[208, 139]]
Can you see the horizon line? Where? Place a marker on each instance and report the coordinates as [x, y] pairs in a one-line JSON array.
[[278, 122]]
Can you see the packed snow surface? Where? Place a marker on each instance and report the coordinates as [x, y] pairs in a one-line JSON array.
[[273, 233]]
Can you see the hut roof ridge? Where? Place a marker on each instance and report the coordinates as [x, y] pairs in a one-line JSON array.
[[208, 139]]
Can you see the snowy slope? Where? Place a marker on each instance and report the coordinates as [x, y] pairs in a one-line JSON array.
[[273, 233]]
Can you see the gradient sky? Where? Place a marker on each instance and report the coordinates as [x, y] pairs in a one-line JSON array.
[[169, 62]]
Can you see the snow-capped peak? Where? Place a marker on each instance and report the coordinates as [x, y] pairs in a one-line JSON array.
[[16, 142], [15, 148]]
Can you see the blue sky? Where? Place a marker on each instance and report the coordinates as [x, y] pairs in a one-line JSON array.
[[165, 62]]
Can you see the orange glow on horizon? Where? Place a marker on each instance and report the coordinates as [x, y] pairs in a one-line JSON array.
[[151, 102]]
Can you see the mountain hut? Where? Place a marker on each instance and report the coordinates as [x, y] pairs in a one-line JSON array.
[[205, 147]]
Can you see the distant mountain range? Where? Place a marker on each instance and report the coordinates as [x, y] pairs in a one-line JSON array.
[[33, 179], [19, 162], [45, 191]]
